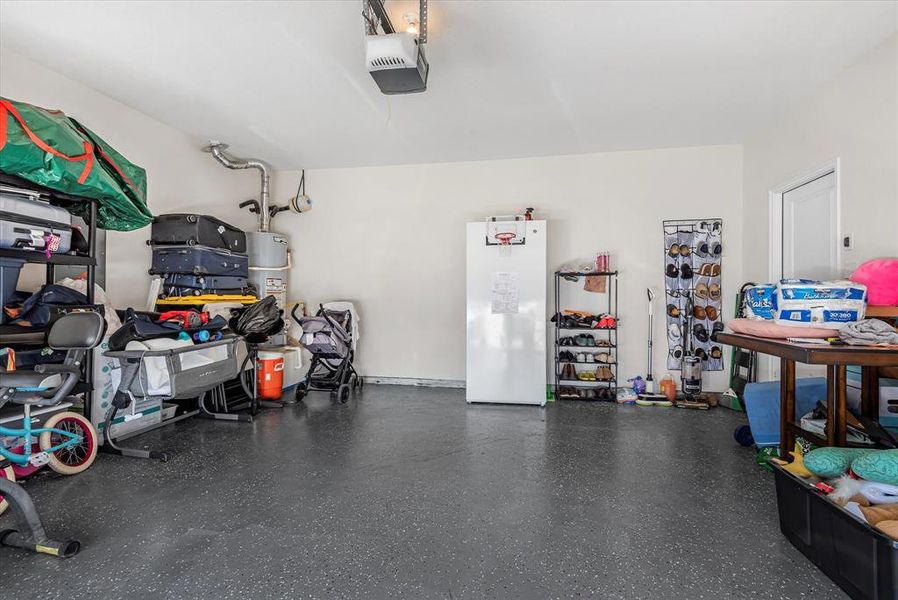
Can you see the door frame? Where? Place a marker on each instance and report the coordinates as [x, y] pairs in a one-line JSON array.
[[775, 202], [775, 248]]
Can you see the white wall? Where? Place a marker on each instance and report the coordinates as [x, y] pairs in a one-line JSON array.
[[180, 177], [392, 239], [854, 118]]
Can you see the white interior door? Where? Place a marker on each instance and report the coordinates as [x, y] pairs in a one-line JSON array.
[[810, 230], [810, 242]]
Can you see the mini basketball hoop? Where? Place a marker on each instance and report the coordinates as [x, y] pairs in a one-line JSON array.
[[505, 238], [506, 232]]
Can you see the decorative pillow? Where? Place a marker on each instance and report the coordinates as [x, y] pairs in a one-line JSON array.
[[769, 329], [880, 512], [880, 275], [832, 462], [880, 466]]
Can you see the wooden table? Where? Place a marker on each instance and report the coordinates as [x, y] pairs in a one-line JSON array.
[[836, 358]]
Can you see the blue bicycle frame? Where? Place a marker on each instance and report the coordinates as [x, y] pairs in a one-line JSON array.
[[29, 435]]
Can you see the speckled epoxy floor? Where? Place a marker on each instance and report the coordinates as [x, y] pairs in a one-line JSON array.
[[409, 492]]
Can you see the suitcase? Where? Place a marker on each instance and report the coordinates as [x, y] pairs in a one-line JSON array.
[[198, 260], [25, 220], [203, 282], [196, 230]]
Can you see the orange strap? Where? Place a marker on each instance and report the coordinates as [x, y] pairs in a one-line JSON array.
[[87, 158], [121, 173]]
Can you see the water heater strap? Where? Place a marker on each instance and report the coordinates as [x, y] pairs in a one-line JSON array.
[[287, 267]]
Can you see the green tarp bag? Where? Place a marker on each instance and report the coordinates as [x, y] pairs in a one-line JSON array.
[[50, 149]]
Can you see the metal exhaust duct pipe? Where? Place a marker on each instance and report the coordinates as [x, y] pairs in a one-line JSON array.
[[217, 149]]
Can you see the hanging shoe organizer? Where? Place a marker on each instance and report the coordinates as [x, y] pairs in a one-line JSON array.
[[693, 252]]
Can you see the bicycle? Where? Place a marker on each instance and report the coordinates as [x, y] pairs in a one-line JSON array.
[[67, 442]]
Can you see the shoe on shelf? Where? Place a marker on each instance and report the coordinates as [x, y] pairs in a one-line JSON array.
[[602, 357], [582, 357], [568, 371], [604, 374], [589, 357]]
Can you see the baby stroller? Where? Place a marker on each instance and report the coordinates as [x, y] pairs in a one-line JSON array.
[[328, 336]]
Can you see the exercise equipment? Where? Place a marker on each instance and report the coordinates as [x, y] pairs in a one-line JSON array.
[[29, 532]]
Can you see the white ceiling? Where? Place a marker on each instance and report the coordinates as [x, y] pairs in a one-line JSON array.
[[286, 82]]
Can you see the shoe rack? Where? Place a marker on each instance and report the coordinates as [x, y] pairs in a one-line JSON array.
[[605, 339]]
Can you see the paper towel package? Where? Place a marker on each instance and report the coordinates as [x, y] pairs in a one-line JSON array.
[[808, 303], [760, 302]]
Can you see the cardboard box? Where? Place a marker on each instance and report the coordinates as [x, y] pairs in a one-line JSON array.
[[888, 396]]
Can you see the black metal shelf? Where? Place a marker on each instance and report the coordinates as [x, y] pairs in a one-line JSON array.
[[611, 294], [586, 273], [86, 384], [588, 347], [587, 362], [37, 256]]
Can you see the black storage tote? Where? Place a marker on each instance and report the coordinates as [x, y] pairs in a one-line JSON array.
[[196, 230], [198, 260], [860, 559]]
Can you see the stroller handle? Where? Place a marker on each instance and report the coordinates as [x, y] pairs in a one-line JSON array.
[[293, 313]]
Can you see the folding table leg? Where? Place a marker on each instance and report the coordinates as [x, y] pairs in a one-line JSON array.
[[836, 405], [831, 416], [787, 406], [870, 392]]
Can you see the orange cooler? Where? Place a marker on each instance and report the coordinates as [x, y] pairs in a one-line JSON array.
[[271, 375]]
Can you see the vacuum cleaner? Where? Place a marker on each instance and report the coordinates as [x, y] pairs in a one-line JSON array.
[[649, 382], [691, 367], [649, 397]]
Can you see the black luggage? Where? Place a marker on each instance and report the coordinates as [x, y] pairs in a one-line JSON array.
[[203, 282], [198, 260], [196, 230]]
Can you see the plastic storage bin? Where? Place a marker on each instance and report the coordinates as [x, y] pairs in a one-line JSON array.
[[857, 557], [762, 405]]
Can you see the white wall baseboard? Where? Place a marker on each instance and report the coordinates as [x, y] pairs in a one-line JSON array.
[[444, 383]]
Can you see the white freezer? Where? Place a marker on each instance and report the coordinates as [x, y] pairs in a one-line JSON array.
[[506, 318]]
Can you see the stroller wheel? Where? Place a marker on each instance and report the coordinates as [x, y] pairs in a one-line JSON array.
[[301, 391], [343, 393]]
